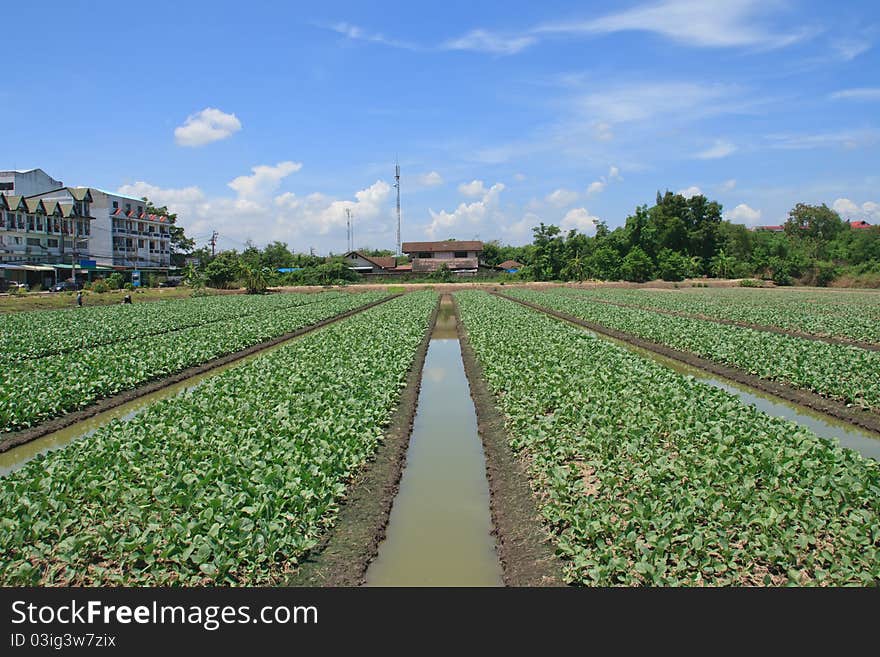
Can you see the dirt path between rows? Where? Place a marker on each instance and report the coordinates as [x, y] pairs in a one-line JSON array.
[[347, 549], [837, 409], [14, 439], [732, 322], [524, 546]]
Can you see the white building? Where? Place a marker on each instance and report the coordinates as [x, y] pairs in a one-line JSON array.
[[122, 233], [33, 230], [27, 182]]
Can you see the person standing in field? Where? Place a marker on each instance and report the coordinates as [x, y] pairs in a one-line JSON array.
[[79, 298]]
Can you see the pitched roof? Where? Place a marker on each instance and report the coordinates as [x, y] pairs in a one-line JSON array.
[[81, 193], [859, 223], [383, 262], [434, 247], [509, 264], [14, 201], [3, 205], [34, 205]]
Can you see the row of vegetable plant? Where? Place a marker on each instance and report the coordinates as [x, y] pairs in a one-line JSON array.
[[44, 333], [852, 316], [849, 374], [33, 391], [647, 477], [229, 483]]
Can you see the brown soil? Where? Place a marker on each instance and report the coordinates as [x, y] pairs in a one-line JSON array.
[[837, 409], [13, 439], [524, 547], [346, 551], [757, 327]]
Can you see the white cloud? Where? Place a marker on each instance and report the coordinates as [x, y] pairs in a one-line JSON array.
[[519, 177], [356, 33], [719, 149], [596, 187], [627, 102], [603, 131], [599, 186], [159, 196], [472, 189], [690, 192], [733, 23], [466, 215], [742, 213], [205, 127], [868, 211], [264, 180], [848, 139], [561, 197], [859, 93], [431, 179], [727, 185], [579, 219], [485, 41], [849, 48]]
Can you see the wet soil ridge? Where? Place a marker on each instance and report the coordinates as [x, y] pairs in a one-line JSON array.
[[527, 555], [342, 558], [16, 438], [757, 327], [839, 410]]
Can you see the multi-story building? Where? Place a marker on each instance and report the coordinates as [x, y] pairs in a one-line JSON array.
[[123, 234], [34, 230], [27, 182]]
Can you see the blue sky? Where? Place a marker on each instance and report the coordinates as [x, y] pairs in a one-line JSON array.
[[266, 120]]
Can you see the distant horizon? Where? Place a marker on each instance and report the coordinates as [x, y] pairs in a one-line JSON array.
[[268, 125]]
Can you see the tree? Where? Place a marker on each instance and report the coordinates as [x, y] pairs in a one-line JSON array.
[[816, 221], [276, 256], [637, 266], [254, 279], [722, 264], [604, 264], [180, 244], [673, 266], [223, 269], [548, 258]]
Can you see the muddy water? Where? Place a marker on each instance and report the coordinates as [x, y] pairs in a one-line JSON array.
[[16, 457], [439, 530], [845, 434]]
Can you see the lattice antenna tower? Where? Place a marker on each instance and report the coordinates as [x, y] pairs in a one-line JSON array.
[[397, 185]]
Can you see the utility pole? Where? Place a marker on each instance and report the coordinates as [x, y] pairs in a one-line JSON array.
[[348, 234], [213, 242], [397, 185]]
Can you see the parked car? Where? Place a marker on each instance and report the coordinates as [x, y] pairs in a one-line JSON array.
[[66, 286], [11, 286], [170, 282]]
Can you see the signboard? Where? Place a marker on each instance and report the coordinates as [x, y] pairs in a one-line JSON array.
[[136, 278], [88, 264]]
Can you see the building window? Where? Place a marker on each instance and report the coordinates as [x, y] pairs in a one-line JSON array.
[[128, 207], [16, 240], [52, 242], [33, 241], [460, 254], [115, 205], [140, 244], [140, 209], [423, 254], [7, 186]]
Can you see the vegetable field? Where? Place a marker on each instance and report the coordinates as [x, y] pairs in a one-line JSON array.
[[849, 374], [229, 483], [648, 477], [35, 389], [850, 315]]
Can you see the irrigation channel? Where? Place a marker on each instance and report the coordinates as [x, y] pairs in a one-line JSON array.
[[439, 531], [825, 426]]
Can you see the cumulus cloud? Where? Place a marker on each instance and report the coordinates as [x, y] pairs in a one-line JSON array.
[[431, 179], [579, 219], [743, 214], [848, 209], [690, 192], [561, 197], [264, 180], [472, 189], [719, 149], [466, 215], [301, 221], [206, 126], [598, 186]]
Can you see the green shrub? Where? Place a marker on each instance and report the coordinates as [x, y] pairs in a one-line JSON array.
[[100, 287], [750, 282]]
